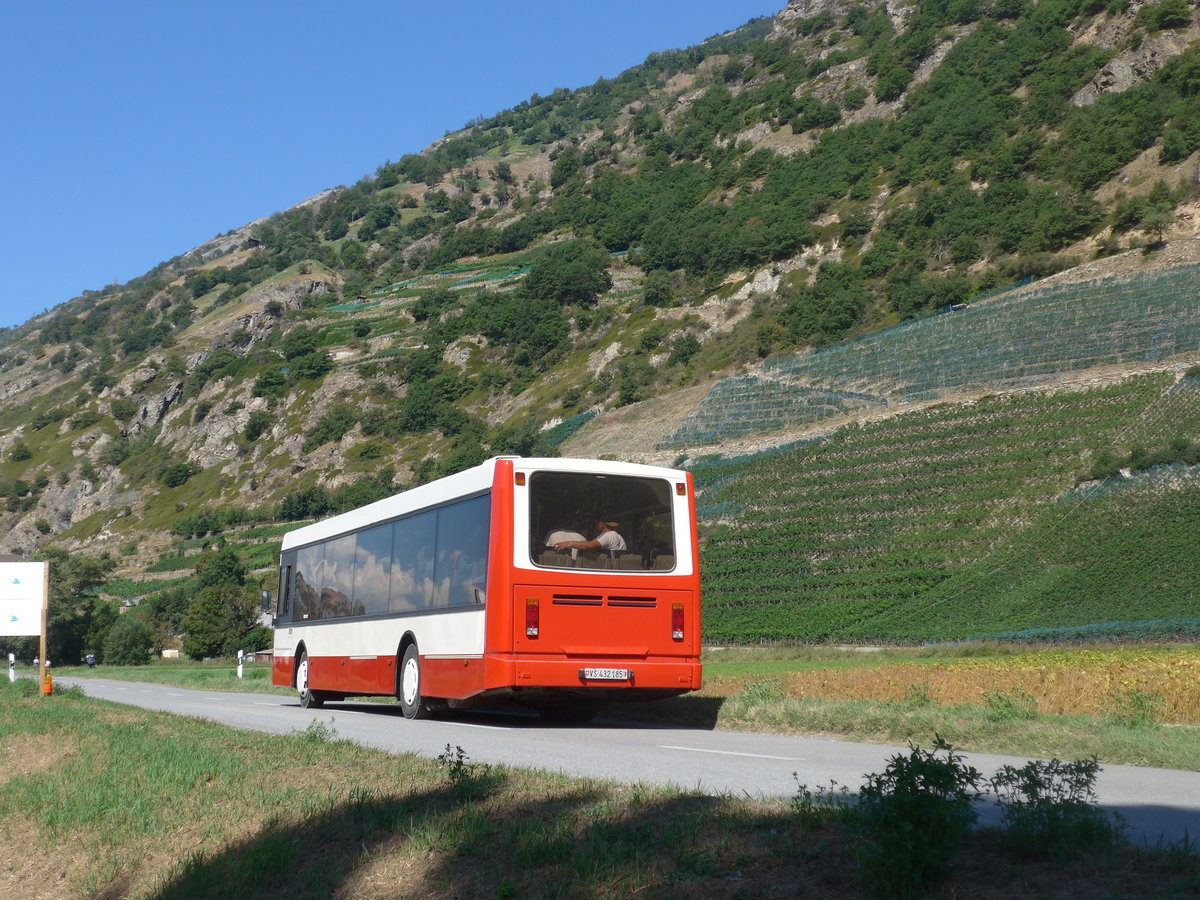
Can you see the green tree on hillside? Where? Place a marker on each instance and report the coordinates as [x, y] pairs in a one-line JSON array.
[[569, 272], [176, 474], [77, 619], [503, 172], [270, 384], [330, 427], [165, 611], [311, 365], [833, 304], [130, 641], [222, 618], [258, 423], [224, 566], [566, 167], [1157, 218], [219, 621], [658, 288], [1165, 15]]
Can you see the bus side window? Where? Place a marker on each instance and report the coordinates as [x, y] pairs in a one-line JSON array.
[[308, 594], [462, 538], [373, 571], [412, 562], [337, 582], [285, 593]]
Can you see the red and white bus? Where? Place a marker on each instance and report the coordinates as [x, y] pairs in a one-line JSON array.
[[453, 595]]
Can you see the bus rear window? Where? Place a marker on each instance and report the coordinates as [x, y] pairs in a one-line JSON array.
[[584, 521]]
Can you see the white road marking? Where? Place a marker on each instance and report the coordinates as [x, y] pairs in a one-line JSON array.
[[732, 753]]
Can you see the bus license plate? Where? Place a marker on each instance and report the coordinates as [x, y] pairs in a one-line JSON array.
[[605, 674]]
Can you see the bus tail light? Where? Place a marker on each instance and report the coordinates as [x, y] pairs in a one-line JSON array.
[[677, 621], [533, 617]]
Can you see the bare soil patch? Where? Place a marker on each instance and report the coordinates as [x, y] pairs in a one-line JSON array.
[[25, 754]]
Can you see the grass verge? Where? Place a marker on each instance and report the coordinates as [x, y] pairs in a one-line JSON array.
[[108, 801], [218, 675]]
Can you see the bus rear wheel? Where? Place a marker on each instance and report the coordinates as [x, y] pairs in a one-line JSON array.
[[408, 685], [309, 699]]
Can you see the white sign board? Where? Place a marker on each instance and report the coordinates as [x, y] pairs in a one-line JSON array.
[[22, 596]]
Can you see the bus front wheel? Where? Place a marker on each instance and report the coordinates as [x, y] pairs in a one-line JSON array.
[[309, 699], [412, 703]]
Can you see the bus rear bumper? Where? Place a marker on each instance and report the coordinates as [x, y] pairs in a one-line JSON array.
[[636, 675]]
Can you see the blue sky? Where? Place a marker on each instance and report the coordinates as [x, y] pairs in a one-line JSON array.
[[135, 131]]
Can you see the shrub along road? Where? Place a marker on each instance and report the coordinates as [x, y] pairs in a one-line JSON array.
[[1158, 804]]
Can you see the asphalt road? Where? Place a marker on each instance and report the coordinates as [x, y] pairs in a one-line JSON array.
[[1158, 804]]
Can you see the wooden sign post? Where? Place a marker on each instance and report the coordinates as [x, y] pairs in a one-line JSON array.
[[25, 604]]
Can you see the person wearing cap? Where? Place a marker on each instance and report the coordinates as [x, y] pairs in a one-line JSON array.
[[606, 539]]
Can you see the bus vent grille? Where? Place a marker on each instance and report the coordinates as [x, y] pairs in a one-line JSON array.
[[578, 600], [647, 602]]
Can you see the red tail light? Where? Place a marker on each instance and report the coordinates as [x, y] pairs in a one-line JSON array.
[[532, 617], [677, 621]]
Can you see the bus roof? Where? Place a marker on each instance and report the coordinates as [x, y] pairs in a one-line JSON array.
[[476, 480]]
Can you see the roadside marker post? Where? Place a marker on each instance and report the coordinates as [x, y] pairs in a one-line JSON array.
[[44, 673]]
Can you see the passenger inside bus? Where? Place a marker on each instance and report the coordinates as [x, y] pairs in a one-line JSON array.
[[559, 501], [550, 556], [607, 539], [558, 535]]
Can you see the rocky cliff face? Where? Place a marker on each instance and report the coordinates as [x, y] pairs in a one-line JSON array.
[[796, 10], [1131, 65], [156, 388]]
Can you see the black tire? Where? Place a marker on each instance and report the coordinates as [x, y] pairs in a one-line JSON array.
[[408, 685], [309, 699]]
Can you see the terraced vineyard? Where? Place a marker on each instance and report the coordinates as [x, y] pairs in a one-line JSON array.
[[957, 521], [1016, 339], [495, 273]]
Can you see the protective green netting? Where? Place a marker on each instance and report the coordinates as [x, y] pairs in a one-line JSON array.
[[1018, 338]]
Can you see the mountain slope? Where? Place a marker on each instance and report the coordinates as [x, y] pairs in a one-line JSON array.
[[601, 257]]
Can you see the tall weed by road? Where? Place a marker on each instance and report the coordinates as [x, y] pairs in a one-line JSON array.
[[914, 817], [1049, 809], [909, 822]]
